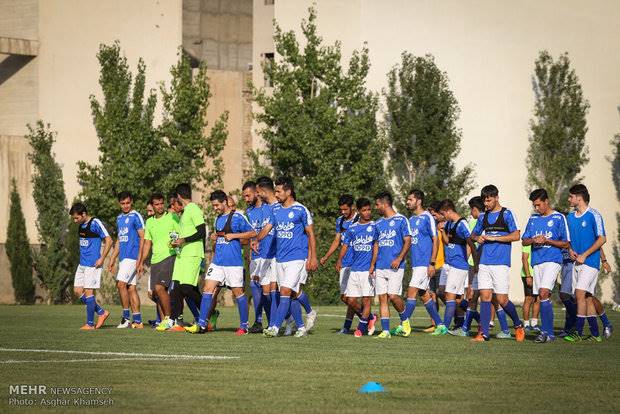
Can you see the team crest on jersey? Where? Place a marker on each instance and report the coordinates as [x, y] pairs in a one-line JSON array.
[[126, 220], [417, 222], [392, 223], [583, 223], [550, 223], [369, 229], [291, 215]]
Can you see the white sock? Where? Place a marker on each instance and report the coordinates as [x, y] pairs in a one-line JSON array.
[[534, 322], [526, 324]]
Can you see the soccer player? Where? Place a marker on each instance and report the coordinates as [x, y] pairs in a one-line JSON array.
[[227, 266], [424, 247], [189, 245], [547, 233], [495, 231], [361, 239], [128, 249], [157, 236], [394, 241], [598, 306], [347, 217], [88, 274], [531, 305], [587, 233], [295, 254]]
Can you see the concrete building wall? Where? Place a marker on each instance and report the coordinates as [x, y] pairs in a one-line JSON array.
[[488, 49]]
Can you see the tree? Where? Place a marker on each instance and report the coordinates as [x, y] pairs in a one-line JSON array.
[[57, 259], [420, 125], [557, 150], [319, 127], [615, 174], [18, 250]]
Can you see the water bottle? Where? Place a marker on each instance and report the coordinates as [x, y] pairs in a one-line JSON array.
[[174, 236]]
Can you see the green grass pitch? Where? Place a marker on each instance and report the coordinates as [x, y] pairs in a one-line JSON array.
[[317, 374]]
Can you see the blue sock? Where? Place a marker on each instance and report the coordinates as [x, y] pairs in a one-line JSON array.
[[126, 314], [304, 300], [363, 325], [98, 308], [546, 311], [476, 316], [83, 298], [205, 306], [137, 317], [267, 306], [283, 309], [485, 317], [464, 304], [296, 313], [193, 307], [449, 313], [257, 295], [571, 314], [347, 324], [503, 322], [510, 309], [593, 325], [90, 310], [604, 319], [157, 315], [581, 320], [385, 324], [409, 308], [242, 304], [431, 308], [273, 313], [469, 316]]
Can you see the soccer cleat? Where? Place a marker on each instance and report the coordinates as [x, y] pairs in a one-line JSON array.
[[87, 327], [536, 329], [310, 320], [164, 325], [101, 319], [594, 339], [136, 325], [492, 324], [440, 330], [289, 327], [430, 329], [213, 320], [301, 332], [178, 328], [358, 333], [241, 332], [343, 331], [479, 338], [406, 327], [607, 331], [384, 335], [574, 337], [543, 337], [256, 328], [397, 331], [124, 323], [195, 329], [520, 334], [371, 324], [503, 335], [153, 323], [528, 330], [458, 332], [271, 332]]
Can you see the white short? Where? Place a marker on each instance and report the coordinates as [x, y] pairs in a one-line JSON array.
[[88, 277], [443, 274], [545, 275], [291, 274], [389, 281], [231, 276], [127, 272], [457, 280], [360, 285], [585, 278], [264, 269], [419, 278], [344, 279], [473, 279], [567, 281], [494, 277]]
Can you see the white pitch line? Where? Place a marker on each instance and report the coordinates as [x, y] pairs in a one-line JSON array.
[[15, 361], [122, 354]]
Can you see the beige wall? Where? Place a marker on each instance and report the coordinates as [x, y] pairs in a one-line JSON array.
[[488, 49]]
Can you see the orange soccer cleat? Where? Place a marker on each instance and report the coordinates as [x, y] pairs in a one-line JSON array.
[[101, 319], [520, 334]]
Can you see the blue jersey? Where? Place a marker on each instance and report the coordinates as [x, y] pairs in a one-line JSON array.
[[341, 227], [361, 238], [456, 249], [584, 230], [128, 237], [553, 227], [267, 246], [495, 253], [291, 238], [228, 253], [423, 230], [91, 233], [392, 233], [256, 217]]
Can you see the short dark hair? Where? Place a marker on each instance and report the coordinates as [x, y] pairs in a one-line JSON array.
[[419, 194], [539, 194], [385, 196], [362, 202], [476, 202], [489, 191], [286, 183], [123, 195], [447, 205], [218, 195], [249, 184], [265, 182], [184, 191], [435, 205], [78, 208], [156, 196], [582, 190], [345, 199]]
